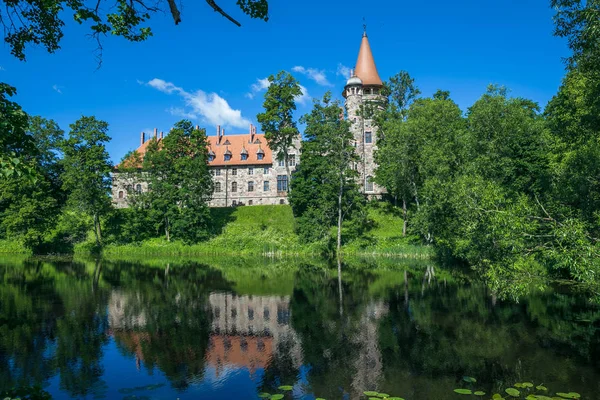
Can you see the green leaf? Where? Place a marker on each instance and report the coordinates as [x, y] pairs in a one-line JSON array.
[[370, 393], [570, 395], [540, 387], [277, 397], [513, 392], [264, 395], [469, 379], [463, 391], [286, 387], [395, 398], [527, 384], [382, 395], [497, 396], [479, 393], [518, 385]]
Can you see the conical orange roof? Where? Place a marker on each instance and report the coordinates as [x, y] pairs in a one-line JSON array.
[[365, 64]]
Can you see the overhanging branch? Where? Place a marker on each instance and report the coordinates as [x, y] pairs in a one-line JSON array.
[[220, 11]]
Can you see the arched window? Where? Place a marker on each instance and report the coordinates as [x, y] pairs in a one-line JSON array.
[[234, 186], [138, 188], [369, 184], [121, 194], [217, 187]]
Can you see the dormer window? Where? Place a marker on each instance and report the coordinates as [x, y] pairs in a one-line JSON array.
[[227, 157], [260, 156], [244, 157], [227, 142], [211, 158]]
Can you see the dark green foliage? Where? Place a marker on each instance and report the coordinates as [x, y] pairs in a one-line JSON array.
[[176, 169], [29, 22], [278, 119], [324, 187], [87, 168]]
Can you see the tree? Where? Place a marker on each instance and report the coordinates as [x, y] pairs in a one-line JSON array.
[[14, 140], [29, 203], [87, 168], [396, 152], [579, 22], [325, 192], [278, 119], [27, 22], [180, 183]]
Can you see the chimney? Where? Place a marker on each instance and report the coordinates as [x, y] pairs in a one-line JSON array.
[[155, 133], [143, 136], [218, 134], [161, 135], [197, 127], [251, 133]]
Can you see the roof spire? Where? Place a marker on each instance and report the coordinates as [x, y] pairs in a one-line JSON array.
[[364, 28], [365, 64]]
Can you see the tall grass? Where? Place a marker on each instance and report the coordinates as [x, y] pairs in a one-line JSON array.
[[12, 247], [256, 230], [384, 236]]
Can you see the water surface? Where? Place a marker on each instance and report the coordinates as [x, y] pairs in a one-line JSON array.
[[232, 329]]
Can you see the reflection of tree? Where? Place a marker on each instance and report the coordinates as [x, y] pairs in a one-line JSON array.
[[27, 324], [333, 343]]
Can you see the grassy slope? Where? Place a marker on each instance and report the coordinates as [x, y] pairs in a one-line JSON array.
[[384, 237], [256, 230], [269, 230]]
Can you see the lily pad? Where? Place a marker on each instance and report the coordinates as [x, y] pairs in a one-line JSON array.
[[513, 392], [497, 396], [469, 379], [570, 395], [286, 387], [463, 391], [277, 397], [531, 397], [540, 387], [518, 385], [370, 393], [395, 398], [383, 395], [479, 393], [527, 384], [264, 395]]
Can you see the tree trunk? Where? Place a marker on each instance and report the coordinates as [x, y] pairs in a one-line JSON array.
[[339, 261], [287, 170], [416, 196], [339, 227], [404, 216], [97, 229], [167, 228]]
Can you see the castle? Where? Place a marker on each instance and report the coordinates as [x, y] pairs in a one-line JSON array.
[[246, 172]]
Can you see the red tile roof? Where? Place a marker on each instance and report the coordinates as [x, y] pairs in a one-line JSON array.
[[235, 144]]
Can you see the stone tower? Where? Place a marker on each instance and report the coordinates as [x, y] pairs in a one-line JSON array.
[[362, 93]]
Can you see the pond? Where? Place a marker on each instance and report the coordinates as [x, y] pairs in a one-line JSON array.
[[234, 328]]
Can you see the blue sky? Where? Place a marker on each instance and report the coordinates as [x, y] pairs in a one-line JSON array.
[[206, 67]]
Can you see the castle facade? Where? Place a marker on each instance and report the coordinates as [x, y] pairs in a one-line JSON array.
[[246, 172]]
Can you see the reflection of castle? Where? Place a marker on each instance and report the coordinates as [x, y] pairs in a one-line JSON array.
[[368, 364], [247, 331]]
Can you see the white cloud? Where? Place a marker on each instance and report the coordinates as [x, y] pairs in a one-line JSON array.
[[304, 98], [314, 74], [180, 112], [343, 70], [57, 88], [211, 107], [259, 86], [164, 86]]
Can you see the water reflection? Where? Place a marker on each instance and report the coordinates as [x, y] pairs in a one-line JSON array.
[[230, 328]]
